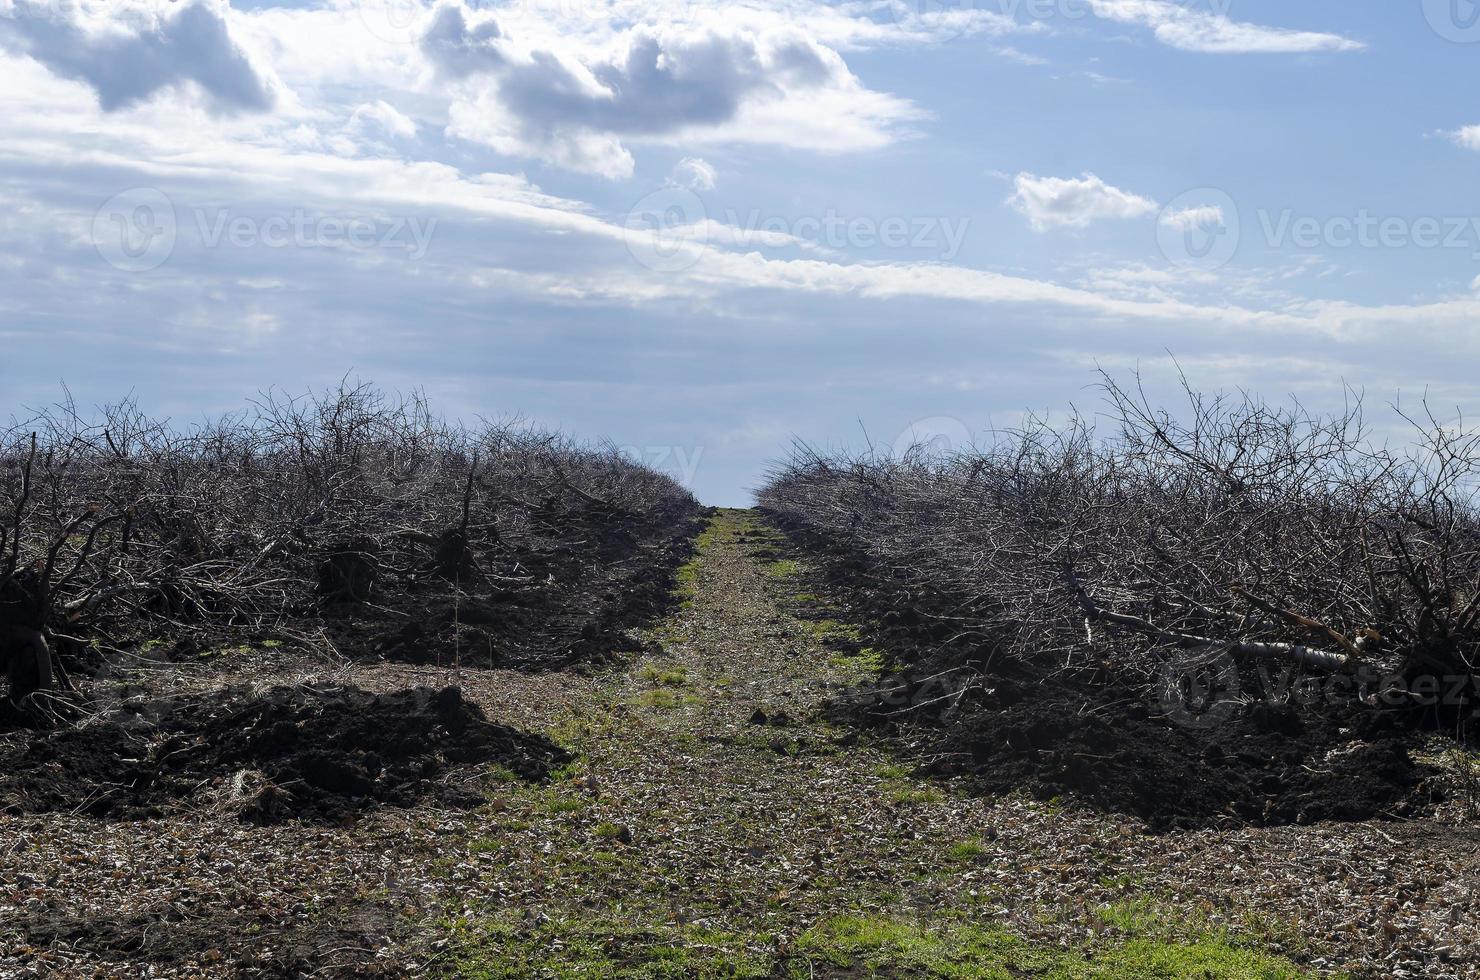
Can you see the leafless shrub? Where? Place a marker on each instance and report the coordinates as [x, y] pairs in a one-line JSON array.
[[1271, 532], [233, 522]]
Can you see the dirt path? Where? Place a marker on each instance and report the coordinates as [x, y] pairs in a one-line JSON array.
[[714, 824], [698, 840]]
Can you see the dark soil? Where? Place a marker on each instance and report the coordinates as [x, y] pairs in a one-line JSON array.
[[1264, 765], [531, 612], [292, 752], [331, 946]]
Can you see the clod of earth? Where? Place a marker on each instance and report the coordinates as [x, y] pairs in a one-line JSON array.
[[315, 752]]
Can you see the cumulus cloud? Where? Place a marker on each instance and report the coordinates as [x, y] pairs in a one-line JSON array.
[[575, 107], [1057, 202], [1180, 26], [1467, 137], [126, 57]]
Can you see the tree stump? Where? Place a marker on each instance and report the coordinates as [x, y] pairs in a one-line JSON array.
[[24, 651]]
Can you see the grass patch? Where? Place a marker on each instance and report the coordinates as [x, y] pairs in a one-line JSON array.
[[885, 947], [869, 660], [558, 805], [966, 850], [783, 569], [665, 677], [911, 796], [1211, 959], [663, 699], [610, 831]]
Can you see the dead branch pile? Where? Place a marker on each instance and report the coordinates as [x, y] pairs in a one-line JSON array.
[[1230, 527], [293, 507]]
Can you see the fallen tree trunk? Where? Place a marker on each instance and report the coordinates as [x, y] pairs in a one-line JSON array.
[[1306, 656]]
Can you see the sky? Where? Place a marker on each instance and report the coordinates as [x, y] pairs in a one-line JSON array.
[[701, 231]]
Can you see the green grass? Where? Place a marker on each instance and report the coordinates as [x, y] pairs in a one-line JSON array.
[[664, 677], [966, 850], [1134, 915], [783, 569], [608, 831], [869, 660], [663, 699], [557, 805], [912, 796], [886, 947]]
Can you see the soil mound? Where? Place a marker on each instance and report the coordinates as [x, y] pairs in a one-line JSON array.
[[314, 752], [1264, 764]]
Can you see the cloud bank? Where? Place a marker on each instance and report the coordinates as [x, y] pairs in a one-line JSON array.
[[130, 55]]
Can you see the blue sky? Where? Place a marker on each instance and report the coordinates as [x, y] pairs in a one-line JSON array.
[[701, 230]]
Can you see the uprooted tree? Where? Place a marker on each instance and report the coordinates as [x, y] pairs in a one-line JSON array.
[[1267, 533], [119, 524]]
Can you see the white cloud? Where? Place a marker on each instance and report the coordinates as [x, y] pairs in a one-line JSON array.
[[1467, 137], [1213, 32], [694, 173], [579, 106], [379, 120], [1193, 219], [127, 56], [1057, 202]]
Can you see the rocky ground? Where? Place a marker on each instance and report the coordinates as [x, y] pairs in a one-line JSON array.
[[708, 822]]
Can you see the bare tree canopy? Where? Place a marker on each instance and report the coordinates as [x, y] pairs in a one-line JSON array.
[[297, 504], [1230, 524]]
